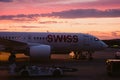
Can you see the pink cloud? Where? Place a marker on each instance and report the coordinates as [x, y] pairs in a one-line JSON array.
[[48, 6], [116, 34]]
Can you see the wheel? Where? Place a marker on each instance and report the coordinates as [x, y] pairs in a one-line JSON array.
[[110, 74], [25, 73], [12, 58], [116, 57], [57, 73]]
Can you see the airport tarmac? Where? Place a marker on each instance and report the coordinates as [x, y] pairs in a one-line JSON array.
[[87, 70]]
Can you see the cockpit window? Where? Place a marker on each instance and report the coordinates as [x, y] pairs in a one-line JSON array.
[[96, 39]]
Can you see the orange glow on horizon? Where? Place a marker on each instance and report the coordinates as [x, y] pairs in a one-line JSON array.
[[104, 28]]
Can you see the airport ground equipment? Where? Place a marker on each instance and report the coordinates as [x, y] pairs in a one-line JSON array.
[[113, 66], [117, 55], [42, 71]]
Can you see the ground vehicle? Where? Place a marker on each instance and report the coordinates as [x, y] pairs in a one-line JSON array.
[[113, 66], [117, 54], [39, 71], [32, 70]]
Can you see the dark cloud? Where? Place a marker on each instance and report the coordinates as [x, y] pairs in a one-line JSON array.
[[78, 13], [6, 0], [81, 13], [25, 27], [20, 17]]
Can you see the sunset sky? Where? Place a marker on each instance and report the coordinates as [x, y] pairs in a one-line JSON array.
[[97, 17]]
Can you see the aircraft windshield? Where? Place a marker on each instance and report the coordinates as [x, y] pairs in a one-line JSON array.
[[96, 39]]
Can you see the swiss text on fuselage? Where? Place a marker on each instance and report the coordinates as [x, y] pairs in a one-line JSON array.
[[62, 38]]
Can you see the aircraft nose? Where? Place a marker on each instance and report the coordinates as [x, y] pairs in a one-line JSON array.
[[104, 45]]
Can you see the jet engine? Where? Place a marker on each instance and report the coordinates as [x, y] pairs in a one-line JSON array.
[[40, 52]]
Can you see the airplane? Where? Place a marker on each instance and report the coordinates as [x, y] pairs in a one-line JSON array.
[[40, 45]]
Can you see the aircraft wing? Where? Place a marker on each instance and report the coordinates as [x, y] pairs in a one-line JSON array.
[[7, 42], [12, 44], [35, 50]]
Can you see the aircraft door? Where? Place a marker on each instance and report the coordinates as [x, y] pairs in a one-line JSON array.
[[86, 42], [29, 39]]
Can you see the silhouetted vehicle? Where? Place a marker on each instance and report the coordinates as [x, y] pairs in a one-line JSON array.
[[40, 71], [117, 54], [113, 66]]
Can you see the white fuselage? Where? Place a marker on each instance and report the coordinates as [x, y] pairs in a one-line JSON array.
[[58, 41]]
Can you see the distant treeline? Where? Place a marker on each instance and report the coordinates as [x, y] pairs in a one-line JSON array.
[[114, 43]]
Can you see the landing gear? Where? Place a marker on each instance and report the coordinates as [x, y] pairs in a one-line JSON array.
[[80, 55], [83, 55], [12, 58], [90, 55]]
